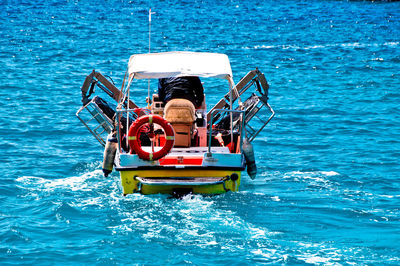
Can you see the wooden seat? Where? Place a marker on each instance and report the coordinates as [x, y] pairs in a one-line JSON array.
[[181, 114]]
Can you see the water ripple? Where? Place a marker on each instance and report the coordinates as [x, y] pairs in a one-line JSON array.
[[327, 191]]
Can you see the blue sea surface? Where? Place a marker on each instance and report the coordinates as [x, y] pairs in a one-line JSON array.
[[328, 186]]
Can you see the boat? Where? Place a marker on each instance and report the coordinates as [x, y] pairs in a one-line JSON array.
[[176, 148]]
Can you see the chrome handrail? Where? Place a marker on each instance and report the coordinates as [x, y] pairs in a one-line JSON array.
[[179, 183]]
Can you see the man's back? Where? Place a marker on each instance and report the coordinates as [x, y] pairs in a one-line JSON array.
[[189, 88]]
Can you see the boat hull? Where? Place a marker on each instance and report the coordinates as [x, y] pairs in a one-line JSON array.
[[180, 181]]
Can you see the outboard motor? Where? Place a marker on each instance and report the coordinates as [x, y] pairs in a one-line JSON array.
[[248, 152], [109, 154]]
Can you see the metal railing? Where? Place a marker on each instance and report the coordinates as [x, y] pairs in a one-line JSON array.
[[119, 114], [242, 119]]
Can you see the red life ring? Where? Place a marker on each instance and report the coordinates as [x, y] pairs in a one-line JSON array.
[[134, 135]]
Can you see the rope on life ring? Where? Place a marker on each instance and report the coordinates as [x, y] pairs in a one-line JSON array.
[[134, 135]]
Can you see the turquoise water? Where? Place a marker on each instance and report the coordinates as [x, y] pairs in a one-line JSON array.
[[328, 185]]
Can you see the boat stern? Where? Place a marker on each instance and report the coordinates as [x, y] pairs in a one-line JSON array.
[[181, 172]]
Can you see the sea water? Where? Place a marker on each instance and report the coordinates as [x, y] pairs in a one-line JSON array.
[[328, 188]]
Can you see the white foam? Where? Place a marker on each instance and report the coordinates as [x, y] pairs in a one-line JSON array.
[[317, 175], [330, 173], [315, 259], [191, 220], [323, 46], [73, 183], [275, 198]]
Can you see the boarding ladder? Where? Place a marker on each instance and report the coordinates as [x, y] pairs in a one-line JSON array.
[[95, 121], [253, 106]]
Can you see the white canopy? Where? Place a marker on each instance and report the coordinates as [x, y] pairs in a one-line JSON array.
[[179, 64]]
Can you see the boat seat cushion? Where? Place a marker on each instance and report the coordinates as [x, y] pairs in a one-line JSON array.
[[180, 111], [183, 135]]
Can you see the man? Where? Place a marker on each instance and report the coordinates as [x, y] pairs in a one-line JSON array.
[[189, 88]]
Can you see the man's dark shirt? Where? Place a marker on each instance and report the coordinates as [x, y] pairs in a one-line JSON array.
[[189, 88]]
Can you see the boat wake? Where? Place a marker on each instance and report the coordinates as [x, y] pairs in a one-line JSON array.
[[73, 183], [217, 225]]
